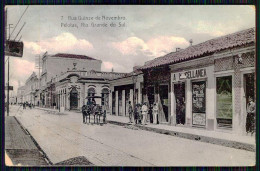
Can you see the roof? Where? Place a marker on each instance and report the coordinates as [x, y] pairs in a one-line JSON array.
[[136, 71], [211, 46], [66, 55]]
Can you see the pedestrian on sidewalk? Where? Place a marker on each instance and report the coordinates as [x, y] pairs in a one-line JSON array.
[[250, 119], [84, 113], [24, 106], [137, 113], [104, 111], [144, 113], [130, 112], [155, 112]]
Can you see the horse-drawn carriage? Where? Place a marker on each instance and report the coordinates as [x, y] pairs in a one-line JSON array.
[[92, 108]]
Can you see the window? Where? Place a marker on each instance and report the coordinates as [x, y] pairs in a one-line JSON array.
[[91, 91], [105, 97], [224, 101]]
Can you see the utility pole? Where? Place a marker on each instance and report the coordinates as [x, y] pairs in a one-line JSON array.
[[8, 71]]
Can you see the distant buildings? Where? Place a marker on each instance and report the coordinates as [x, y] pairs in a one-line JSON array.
[[65, 81]]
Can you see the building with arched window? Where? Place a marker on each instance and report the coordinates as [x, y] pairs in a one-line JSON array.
[[75, 85]]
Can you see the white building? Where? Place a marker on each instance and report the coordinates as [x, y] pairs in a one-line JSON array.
[[56, 65], [20, 94]]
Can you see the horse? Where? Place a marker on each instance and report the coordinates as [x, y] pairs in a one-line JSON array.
[[95, 110]]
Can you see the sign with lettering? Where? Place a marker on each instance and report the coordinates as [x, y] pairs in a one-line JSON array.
[[199, 119], [10, 88], [14, 48], [191, 74], [199, 103]]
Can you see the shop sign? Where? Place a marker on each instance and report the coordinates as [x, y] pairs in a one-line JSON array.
[[199, 103], [191, 74], [199, 119]]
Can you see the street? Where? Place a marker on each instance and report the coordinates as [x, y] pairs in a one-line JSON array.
[[64, 136]]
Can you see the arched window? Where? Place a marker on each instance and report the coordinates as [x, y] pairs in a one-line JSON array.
[[105, 96], [91, 91]]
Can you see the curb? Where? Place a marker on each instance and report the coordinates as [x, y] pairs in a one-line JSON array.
[[211, 140], [46, 158]]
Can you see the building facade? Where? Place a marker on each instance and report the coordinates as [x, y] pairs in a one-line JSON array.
[[30, 89], [55, 65], [210, 83], [128, 87], [74, 86], [20, 94]]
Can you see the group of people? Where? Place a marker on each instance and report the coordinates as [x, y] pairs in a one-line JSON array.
[[26, 104], [140, 113]]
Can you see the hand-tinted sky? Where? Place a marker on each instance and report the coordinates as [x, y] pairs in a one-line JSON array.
[[150, 32]]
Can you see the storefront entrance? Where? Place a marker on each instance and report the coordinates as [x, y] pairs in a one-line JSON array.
[[74, 99], [163, 102], [120, 107], [127, 99], [179, 91], [199, 103], [250, 106], [113, 103], [150, 95], [249, 86]]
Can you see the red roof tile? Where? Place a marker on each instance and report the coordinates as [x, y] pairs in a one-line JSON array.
[[66, 55], [232, 40]]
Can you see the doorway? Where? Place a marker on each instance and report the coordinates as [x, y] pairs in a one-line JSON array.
[[179, 91], [74, 99], [163, 102]]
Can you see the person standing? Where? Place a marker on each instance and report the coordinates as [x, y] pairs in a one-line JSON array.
[[250, 119], [155, 112], [144, 113], [84, 113], [130, 112], [136, 113]]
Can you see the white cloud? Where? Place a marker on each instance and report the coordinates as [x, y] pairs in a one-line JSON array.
[[162, 45], [107, 65], [153, 47], [65, 42], [130, 45], [19, 70]]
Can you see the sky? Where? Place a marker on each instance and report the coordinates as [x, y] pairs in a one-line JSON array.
[[120, 36]]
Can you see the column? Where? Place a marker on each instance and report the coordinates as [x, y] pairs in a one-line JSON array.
[[210, 99], [67, 101], [116, 106], [82, 97], [123, 103], [132, 96], [110, 102], [173, 106], [188, 103]]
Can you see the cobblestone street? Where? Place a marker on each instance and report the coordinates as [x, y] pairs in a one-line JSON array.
[[65, 136]]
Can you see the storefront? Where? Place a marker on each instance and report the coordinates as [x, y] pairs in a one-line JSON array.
[[192, 93], [235, 85], [157, 89], [124, 90]]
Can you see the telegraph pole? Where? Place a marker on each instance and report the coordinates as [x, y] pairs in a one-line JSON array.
[[8, 71]]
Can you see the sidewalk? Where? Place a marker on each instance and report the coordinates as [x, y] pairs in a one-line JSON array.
[[198, 134], [20, 147]]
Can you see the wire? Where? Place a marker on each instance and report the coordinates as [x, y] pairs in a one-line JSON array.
[[18, 21], [19, 31]]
